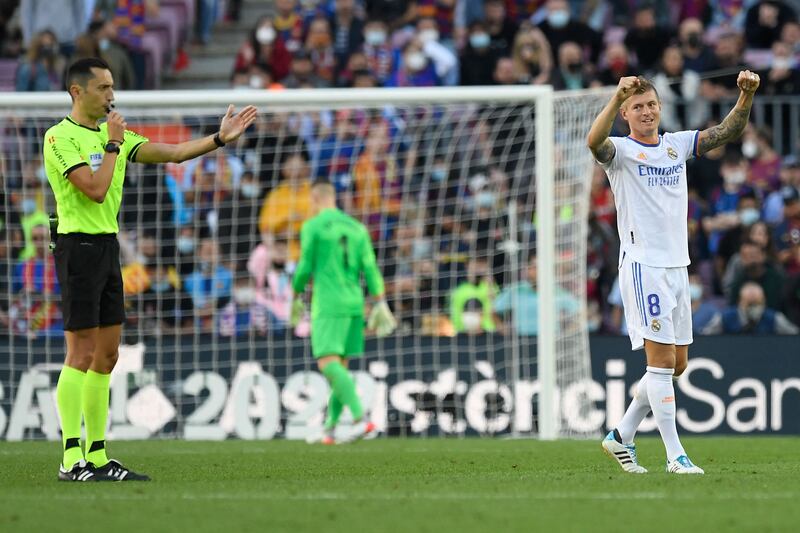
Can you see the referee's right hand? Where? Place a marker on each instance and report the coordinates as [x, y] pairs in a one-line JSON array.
[[116, 127]]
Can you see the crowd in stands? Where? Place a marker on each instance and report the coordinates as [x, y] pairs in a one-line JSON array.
[[139, 39], [211, 245]]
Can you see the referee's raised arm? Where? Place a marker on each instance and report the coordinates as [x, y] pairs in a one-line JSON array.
[[231, 127]]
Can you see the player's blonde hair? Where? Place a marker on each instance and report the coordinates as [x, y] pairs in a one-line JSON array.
[[645, 85], [323, 190]]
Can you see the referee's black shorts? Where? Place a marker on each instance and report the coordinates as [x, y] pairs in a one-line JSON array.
[[90, 278]]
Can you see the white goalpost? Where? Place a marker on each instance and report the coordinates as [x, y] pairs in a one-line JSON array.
[[466, 192]]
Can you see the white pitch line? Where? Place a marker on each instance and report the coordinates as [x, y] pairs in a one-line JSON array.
[[340, 496]]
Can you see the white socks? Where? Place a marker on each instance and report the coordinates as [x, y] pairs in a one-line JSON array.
[[637, 410], [661, 393]]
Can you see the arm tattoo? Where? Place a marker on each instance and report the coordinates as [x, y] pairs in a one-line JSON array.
[[730, 128], [605, 152]]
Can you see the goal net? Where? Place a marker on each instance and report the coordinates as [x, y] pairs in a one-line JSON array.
[[476, 200]]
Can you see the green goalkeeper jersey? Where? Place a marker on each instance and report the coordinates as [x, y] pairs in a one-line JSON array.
[[335, 250]]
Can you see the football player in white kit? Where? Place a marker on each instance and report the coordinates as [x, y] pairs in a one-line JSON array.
[[647, 173]]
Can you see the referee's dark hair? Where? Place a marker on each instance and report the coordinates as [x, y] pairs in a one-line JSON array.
[[80, 71]]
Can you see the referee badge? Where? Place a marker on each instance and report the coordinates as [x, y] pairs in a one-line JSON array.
[[672, 153], [655, 325]]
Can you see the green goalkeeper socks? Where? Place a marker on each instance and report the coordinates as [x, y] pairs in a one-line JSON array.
[[95, 415], [335, 408], [68, 398], [344, 388]]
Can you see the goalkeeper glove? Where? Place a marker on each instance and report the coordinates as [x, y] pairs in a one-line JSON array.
[[381, 319], [298, 310]]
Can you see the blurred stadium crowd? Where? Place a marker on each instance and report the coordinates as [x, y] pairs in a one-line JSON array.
[[210, 245]]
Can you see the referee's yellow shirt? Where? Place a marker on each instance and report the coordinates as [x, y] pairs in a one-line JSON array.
[[67, 146]]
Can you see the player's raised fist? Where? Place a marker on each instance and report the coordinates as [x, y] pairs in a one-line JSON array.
[[116, 126], [748, 81], [627, 87]]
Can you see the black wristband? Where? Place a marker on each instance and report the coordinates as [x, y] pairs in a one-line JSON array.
[[218, 141]]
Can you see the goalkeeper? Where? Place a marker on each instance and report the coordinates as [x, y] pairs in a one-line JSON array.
[[335, 250]]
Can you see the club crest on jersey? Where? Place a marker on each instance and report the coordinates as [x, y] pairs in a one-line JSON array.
[[655, 325], [672, 153], [641, 156]]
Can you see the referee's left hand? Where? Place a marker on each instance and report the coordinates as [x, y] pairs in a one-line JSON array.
[[232, 126]]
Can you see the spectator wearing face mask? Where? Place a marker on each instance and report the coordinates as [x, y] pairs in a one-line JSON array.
[[424, 63], [288, 23], [571, 72], [105, 33], [210, 285], [703, 310], [442, 13], [477, 58], [471, 302], [185, 246], [682, 107], [759, 233], [748, 213], [34, 308], [765, 163], [31, 216], [724, 200], [43, 65], [789, 174], [696, 55], [646, 39], [532, 56], [560, 27], [237, 217], [319, 45], [758, 269], [439, 47], [519, 303], [264, 46], [303, 74], [783, 75], [500, 27], [787, 232], [617, 64], [752, 314], [381, 55]]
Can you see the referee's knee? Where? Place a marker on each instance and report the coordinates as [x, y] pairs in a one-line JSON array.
[[105, 362]]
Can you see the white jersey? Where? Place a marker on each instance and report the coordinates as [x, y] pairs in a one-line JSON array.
[[652, 199]]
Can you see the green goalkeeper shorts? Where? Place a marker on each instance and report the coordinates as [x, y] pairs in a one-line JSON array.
[[341, 335]]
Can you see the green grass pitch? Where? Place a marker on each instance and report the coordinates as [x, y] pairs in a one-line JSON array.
[[419, 485]]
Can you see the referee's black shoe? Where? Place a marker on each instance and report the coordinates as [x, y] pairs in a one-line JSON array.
[[79, 472], [114, 471]]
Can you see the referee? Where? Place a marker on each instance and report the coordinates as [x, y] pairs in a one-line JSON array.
[[85, 163]]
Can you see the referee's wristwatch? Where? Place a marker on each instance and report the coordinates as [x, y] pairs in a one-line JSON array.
[[111, 148]]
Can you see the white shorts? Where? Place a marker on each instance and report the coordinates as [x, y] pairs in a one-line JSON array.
[[656, 302]]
